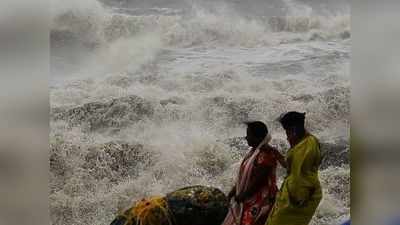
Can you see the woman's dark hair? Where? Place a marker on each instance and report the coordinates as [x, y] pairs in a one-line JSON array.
[[294, 120], [258, 128]]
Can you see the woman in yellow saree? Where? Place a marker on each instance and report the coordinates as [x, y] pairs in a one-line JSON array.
[[300, 193]]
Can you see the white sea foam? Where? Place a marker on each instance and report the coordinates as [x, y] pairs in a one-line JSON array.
[[158, 99]]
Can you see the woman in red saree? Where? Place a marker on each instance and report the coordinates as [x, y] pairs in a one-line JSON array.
[[254, 193]]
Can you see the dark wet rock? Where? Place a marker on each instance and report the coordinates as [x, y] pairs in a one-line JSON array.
[[195, 205], [198, 205], [117, 159], [119, 220], [117, 113]]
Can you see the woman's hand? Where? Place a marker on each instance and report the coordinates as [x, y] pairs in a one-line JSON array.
[[279, 157]]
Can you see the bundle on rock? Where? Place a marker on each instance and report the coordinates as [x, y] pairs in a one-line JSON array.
[[195, 205]]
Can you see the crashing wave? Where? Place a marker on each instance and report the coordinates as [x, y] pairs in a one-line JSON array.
[[100, 25], [116, 113]]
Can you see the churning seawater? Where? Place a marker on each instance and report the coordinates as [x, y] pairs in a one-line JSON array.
[[146, 99]]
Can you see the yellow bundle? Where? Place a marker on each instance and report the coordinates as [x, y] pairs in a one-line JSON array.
[[151, 211]]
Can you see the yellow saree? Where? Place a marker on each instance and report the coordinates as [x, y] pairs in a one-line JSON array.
[[300, 193]]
